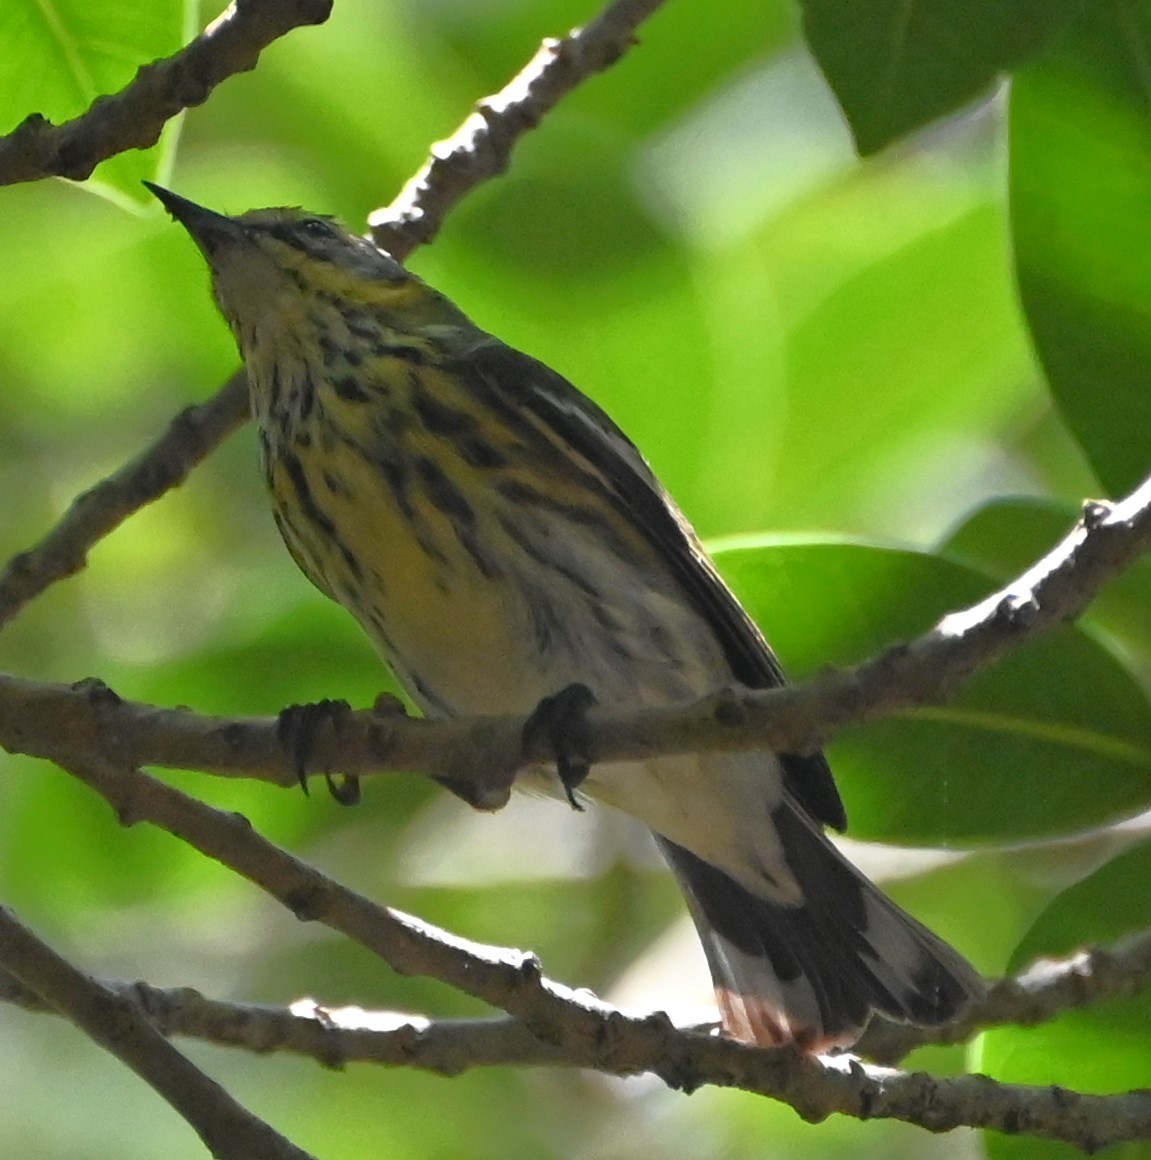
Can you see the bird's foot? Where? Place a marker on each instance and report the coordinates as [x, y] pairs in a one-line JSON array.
[[297, 728], [561, 720]]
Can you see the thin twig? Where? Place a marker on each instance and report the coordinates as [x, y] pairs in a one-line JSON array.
[[117, 1024], [63, 552], [332, 1036], [481, 147], [504, 977], [134, 117], [1041, 993]]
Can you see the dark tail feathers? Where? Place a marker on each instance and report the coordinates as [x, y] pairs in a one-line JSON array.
[[813, 974]]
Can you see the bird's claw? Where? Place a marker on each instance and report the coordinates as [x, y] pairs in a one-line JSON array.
[[297, 728], [562, 720]]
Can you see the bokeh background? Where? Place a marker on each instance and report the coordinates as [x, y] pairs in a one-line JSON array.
[[824, 359]]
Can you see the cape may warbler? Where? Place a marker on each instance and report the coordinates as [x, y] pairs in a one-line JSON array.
[[500, 539]]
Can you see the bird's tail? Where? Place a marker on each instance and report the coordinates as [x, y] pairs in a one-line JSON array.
[[812, 974]]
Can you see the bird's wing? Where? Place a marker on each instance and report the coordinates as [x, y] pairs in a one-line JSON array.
[[509, 377]]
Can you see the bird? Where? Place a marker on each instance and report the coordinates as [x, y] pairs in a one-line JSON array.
[[500, 540]]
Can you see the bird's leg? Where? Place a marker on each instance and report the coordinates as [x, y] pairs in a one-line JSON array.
[[561, 720]]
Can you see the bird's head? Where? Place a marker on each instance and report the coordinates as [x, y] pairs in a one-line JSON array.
[[273, 266]]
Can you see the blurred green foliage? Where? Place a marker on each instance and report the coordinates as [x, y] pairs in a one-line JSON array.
[[798, 340], [1079, 190]]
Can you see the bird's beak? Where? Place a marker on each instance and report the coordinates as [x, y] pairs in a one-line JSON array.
[[208, 228]]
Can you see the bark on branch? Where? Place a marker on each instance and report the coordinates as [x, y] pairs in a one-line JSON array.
[[335, 1036], [134, 117], [192, 435]]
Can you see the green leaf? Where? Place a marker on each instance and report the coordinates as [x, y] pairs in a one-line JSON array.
[[1051, 740], [1099, 909], [895, 65], [1080, 188], [59, 57], [1106, 1047]]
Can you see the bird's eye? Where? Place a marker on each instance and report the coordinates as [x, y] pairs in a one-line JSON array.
[[316, 228]]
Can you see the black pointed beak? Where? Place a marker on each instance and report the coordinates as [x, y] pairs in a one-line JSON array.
[[208, 228]]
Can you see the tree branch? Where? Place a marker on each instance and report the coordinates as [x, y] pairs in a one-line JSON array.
[[117, 1024], [591, 1034], [578, 1031], [134, 117], [65, 723], [481, 147], [335, 1036], [1041, 993], [192, 435], [332, 1036], [503, 977]]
